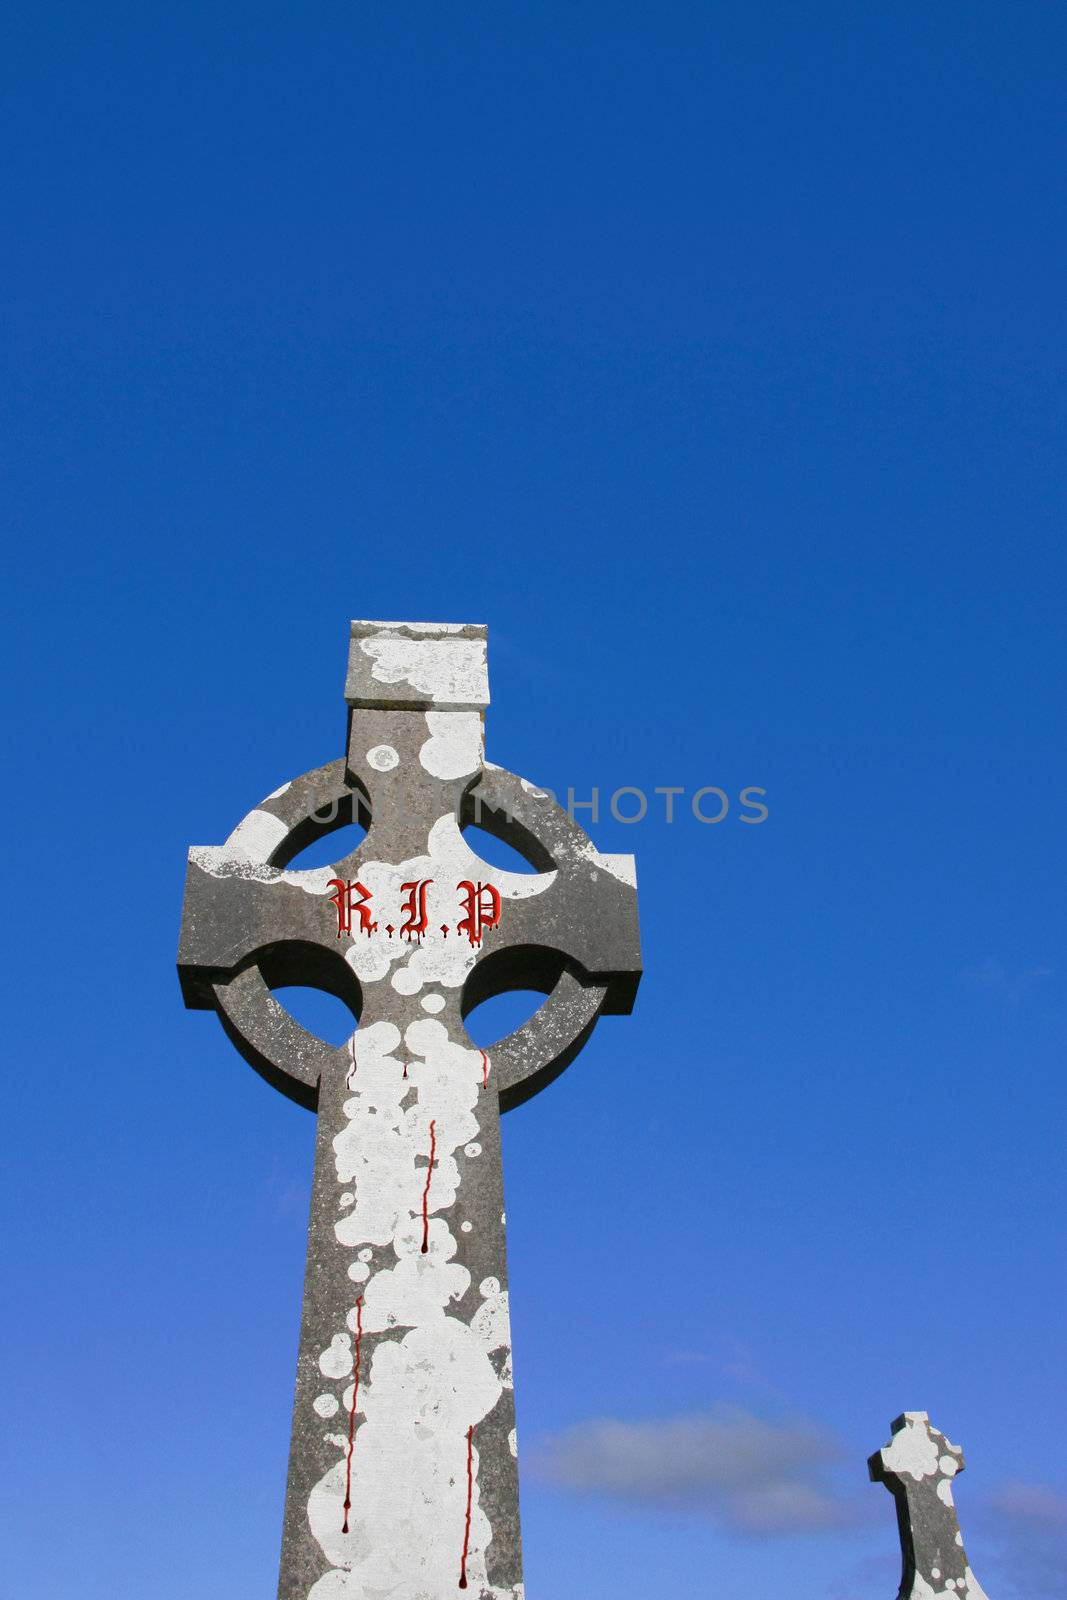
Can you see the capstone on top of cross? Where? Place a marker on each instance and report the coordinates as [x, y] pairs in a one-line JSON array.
[[430, 666]]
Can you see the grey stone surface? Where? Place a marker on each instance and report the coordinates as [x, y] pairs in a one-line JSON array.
[[917, 1466], [403, 1481]]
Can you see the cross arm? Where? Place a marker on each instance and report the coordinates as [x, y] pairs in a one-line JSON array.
[[588, 912], [240, 901], [236, 912], [249, 925]]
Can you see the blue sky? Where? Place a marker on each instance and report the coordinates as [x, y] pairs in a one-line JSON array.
[[713, 356]]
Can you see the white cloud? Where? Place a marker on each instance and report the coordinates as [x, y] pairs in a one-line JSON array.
[[750, 1475]]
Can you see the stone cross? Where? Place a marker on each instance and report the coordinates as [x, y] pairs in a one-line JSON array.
[[917, 1466], [403, 1479]]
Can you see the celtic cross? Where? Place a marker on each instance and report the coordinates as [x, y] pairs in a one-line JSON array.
[[403, 1479], [917, 1466]]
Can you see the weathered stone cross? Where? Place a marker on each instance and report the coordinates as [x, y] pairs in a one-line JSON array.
[[917, 1466], [403, 1482]]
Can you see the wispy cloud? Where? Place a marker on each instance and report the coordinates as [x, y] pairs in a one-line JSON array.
[[732, 1360], [750, 1475], [689, 1358], [993, 976], [1030, 1538], [1033, 1505], [870, 1575]]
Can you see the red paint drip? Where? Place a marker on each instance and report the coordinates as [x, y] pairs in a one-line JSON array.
[[426, 1192], [352, 1413], [485, 1069], [405, 1069], [470, 1495]]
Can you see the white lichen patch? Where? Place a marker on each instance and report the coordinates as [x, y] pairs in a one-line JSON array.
[[449, 671], [622, 867], [912, 1451], [456, 743], [336, 1362], [419, 1286], [248, 859], [491, 1322], [256, 837], [432, 629]]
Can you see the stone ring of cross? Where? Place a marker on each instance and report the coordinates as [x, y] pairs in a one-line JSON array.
[[403, 1474]]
